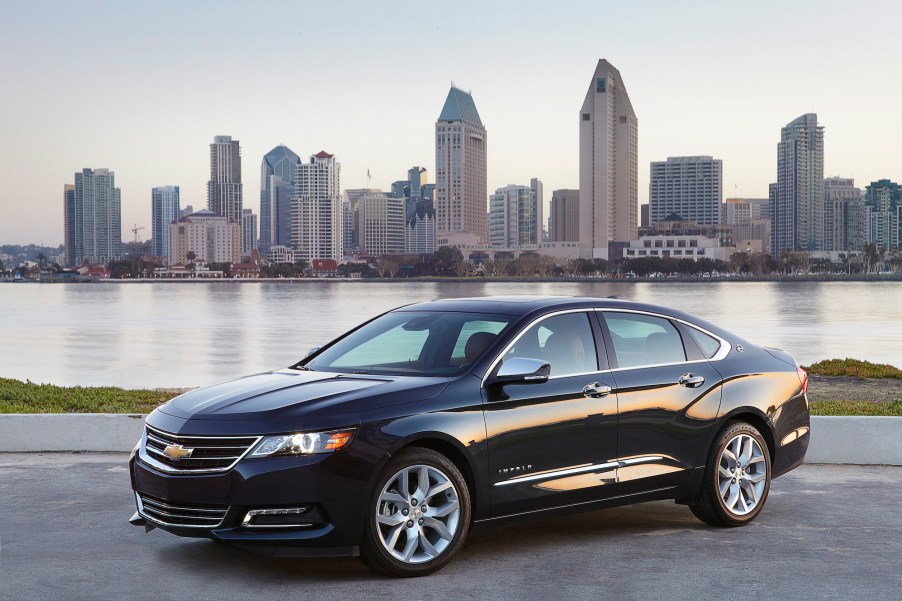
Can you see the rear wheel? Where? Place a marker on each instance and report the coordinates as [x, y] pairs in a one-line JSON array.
[[737, 478], [419, 517]]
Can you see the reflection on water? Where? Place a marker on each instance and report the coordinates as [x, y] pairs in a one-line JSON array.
[[188, 334]]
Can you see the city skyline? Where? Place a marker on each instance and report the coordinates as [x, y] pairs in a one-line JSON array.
[[746, 82]]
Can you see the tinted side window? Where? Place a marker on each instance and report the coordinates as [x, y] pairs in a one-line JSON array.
[[641, 340], [565, 341], [708, 344]]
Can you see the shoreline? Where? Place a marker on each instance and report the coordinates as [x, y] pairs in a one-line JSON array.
[[499, 280]]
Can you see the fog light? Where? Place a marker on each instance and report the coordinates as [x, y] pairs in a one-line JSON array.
[[284, 517]]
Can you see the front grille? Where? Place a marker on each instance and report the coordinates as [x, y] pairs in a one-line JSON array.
[[181, 514], [207, 453]]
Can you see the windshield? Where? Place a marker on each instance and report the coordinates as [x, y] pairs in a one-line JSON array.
[[422, 343]]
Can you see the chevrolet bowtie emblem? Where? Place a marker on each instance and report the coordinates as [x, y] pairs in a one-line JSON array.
[[177, 451]]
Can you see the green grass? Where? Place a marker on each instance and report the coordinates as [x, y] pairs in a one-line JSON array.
[[856, 407], [854, 368], [28, 397]]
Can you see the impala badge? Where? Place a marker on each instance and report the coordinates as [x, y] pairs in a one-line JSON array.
[[177, 451]]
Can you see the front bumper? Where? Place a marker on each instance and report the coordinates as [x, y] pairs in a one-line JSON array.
[[334, 485]]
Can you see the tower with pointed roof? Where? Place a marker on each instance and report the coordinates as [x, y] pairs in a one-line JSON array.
[[277, 176], [461, 187], [608, 164]]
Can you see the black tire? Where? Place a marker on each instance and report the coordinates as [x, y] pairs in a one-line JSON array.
[[710, 505], [376, 554]]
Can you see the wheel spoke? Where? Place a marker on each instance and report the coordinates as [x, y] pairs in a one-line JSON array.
[[729, 457], [724, 472], [411, 545], [394, 534], [730, 502], [390, 520], [756, 459], [724, 486], [422, 483], [746, 450], [755, 478], [439, 527], [751, 493], [445, 509], [437, 488], [394, 498], [427, 546], [403, 483]]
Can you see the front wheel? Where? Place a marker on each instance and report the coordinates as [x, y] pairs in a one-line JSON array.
[[419, 517], [737, 478]]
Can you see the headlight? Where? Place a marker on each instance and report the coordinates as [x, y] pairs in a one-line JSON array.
[[303, 443]]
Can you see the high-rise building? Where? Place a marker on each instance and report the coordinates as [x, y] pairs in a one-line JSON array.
[[838, 191], [417, 178], [350, 208], [608, 164], [93, 218], [460, 172], [798, 210], [563, 223], [381, 221], [691, 187], [316, 219], [164, 209], [277, 175], [248, 232], [746, 217], [225, 190], [515, 215], [419, 233], [209, 236], [883, 213]]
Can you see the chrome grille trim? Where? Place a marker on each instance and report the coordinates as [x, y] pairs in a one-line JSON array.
[[212, 454], [167, 514]]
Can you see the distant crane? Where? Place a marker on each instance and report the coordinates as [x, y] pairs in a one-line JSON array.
[[135, 231]]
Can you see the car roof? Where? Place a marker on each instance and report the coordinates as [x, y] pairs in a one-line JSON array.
[[525, 305]]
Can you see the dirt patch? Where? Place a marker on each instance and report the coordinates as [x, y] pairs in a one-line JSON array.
[[838, 388]]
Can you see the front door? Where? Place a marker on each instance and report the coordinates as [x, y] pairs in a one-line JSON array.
[[553, 443]]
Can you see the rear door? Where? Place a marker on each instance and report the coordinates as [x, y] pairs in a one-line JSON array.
[[668, 396]]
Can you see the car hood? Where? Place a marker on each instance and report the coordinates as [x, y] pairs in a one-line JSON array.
[[287, 395]]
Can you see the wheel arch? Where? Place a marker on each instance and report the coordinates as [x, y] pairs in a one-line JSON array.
[[756, 419]]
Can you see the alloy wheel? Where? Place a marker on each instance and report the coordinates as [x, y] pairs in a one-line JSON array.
[[741, 474]]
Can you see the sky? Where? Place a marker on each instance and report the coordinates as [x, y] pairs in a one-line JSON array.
[[142, 88]]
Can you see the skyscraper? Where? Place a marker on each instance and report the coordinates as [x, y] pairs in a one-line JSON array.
[[93, 218], [608, 164], [460, 172], [277, 176], [691, 187], [316, 228], [164, 209], [515, 215], [381, 221], [883, 212], [838, 191], [224, 190], [419, 232], [563, 223], [798, 213], [248, 232]]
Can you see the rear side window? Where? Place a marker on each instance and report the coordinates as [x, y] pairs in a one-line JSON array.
[[643, 340], [709, 344]]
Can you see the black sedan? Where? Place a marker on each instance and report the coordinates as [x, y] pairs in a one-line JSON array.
[[394, 439]]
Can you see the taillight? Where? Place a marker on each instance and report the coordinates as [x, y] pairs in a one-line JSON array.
[[803, 377]]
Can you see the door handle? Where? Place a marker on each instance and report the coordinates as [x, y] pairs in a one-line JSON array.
[[596, 390], [690, 381]]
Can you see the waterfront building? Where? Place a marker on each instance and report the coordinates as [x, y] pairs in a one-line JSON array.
[[381, 221], [798, 207], [210, 237], [838, 191], [248, 232], [460, 172], [277, 176], [608, 164], [225, 190], [882, 214], [419, 231], [316, 216], [563, 222], [691, 187], [92, 218], [515, 215], [279, 253], [164, 209]]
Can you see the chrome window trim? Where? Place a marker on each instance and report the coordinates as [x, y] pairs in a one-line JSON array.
[[146, 458], [540, 319], [721, 353], [579, 470], [140, 505]]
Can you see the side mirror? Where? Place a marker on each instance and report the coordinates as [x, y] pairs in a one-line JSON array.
[[311, 351], [519, 370]]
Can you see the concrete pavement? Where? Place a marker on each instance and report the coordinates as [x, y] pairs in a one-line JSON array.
[[827, 532]]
